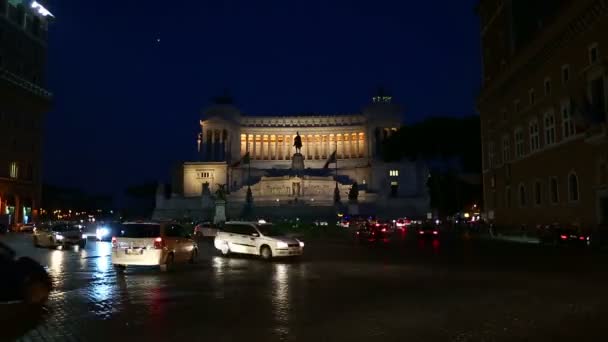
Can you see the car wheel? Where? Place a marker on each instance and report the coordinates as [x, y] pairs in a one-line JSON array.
[[193, 256], [36, 291], [169, 264], [266, 253]]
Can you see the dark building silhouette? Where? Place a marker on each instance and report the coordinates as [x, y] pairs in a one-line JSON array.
[[543, 109], [23, 104]]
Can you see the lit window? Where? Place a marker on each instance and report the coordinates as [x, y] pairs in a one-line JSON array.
[[506, 148], [548, 86], [565, 74], [206, 174], [554, 188], [549, 128], [532, 96], [573, 187], [393, 173], [568, 127], [519, 142], [534, 136], [593, 53], [14, 170]]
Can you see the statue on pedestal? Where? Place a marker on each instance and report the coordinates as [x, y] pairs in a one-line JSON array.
[[297, 143]]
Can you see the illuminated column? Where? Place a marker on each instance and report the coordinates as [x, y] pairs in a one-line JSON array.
[[213, 145], [289, 144], [339, 146], [268, 148], [255, 144], [346, 145], [353, 145], [221, 145], [276, 147], [284, 150], [358, 145], [328, 146]]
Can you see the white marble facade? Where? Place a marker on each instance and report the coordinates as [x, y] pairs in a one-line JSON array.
[[226, 136]]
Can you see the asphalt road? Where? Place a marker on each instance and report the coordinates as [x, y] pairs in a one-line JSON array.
[[413, 290]]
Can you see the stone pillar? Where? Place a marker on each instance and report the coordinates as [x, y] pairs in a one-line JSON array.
[[262, 155], [213, 145], [358, 146], [284, 149], [254, 154], [269, 148], [276, 147], [203, 143]]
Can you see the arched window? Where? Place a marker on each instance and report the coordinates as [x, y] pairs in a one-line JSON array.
[[554, 189], [538, 198], [522, 195], [573, 187]]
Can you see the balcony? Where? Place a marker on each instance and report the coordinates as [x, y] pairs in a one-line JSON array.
[[24, 84], [597, 134]]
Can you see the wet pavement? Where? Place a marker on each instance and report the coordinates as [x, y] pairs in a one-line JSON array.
[[412, 290]]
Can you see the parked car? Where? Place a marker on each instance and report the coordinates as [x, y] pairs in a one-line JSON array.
[[261, 239], [152, 244], [23, 279], [59, 235], [205, 229]]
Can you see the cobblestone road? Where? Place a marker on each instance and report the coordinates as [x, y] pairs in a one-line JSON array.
[[415, 291]]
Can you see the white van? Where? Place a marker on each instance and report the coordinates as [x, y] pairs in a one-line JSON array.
[[152, 244], [256, 239]]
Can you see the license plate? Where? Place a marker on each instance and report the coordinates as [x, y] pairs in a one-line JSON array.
[[134, 251]]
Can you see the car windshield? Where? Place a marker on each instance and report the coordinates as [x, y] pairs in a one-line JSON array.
[[269, 230], [137, 230], [62, 228]]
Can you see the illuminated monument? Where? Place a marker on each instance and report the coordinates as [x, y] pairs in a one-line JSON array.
[[258, 152]]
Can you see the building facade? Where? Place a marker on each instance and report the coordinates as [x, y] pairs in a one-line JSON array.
[[240, 151], [23, 103], [543, 106]]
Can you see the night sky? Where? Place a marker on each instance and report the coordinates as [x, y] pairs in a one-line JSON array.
[[130, 77]]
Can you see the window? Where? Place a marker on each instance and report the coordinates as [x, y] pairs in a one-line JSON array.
[[175, 231], [504, 113], [506, 148], [508, 197], [547, 86], [573, 187], [14, 170], [534, 136], [549, 128], [522, 195], [538, 198], [593, 53], [568, 127], [598, 99], [519, 142], [517, 104], [393, 173], [493, 182], [565, 74], [206, 174], [491, 155], [532, 97], [554, 190]]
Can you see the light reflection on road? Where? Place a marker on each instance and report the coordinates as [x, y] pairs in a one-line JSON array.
[[280, 300]]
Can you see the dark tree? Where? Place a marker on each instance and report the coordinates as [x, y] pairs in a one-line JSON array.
[[337, 198], [353, 194]]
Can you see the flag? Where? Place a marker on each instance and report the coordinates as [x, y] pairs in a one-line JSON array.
[[330, 160]]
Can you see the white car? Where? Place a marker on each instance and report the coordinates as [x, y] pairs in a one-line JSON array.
[[152, 244], [59, 234], [257, 239]]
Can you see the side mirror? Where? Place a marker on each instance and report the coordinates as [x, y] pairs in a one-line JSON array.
[[255, 234]]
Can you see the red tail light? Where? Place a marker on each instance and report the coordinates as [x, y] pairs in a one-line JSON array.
[[159, 243], [114, 241], [384, 229], [582, 238], [563, 237], [421, 232], [435, 232]]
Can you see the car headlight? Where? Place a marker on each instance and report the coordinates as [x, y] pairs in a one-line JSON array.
[[59, 237], [281, 244], [301, 243], [84, 236], [102, 232]]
